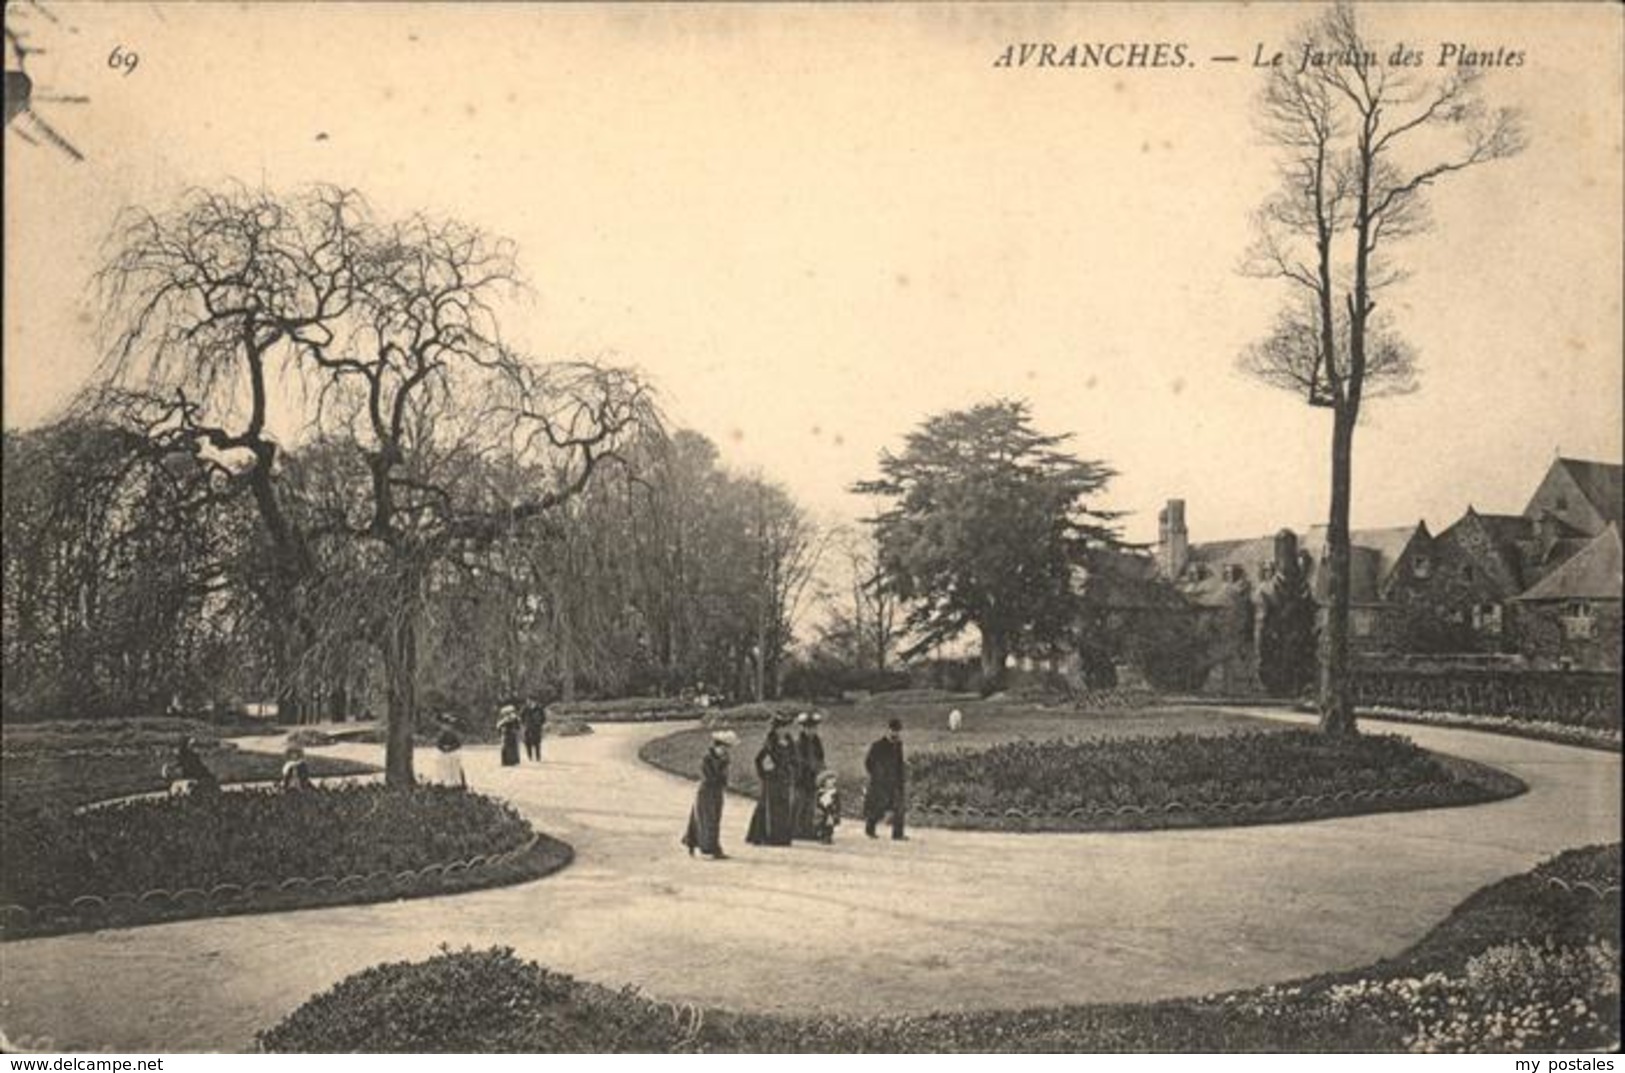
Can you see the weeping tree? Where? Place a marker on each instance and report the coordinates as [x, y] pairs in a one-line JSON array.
[[242, 317], [1360, 147]]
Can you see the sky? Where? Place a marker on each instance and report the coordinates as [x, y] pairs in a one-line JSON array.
[[813, 227]]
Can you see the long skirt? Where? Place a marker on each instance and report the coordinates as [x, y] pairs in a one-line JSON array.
[[510, 748], [804, 809], [770, 824], [448, 768], [705, 821]]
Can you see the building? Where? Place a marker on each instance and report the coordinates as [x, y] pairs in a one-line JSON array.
[[1540, 588]]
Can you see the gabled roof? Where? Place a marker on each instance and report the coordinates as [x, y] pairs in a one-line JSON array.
[[1592, 574], [1603, 483]]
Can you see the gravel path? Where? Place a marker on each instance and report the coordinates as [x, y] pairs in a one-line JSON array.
[[947, 920]]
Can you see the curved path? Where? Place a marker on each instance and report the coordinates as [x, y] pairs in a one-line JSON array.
[[947, 920]]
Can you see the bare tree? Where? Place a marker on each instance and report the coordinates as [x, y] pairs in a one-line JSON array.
[[1360, 146]]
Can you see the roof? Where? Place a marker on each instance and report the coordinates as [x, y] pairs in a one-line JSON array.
[[1603, 483], [1592, 574]]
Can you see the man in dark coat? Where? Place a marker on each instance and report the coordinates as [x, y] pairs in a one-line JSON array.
[[884, 763], [534, 716]]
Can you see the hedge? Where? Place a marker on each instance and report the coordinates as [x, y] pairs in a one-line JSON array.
[[627, 709], [1576, 698]]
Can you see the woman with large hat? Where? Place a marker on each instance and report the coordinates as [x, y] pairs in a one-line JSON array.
[[772, 823], [509, 726], [704, 833]]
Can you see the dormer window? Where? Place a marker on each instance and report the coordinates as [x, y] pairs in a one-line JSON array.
[[1580, 620], [1421, 567]]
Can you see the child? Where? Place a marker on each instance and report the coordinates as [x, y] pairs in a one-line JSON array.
[[296, 772], [827, 813]]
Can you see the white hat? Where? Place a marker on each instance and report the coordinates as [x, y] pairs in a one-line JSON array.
[[803, 718], [725, 737]]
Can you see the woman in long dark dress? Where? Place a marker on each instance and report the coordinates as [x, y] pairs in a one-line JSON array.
[[509, 724], [772, 823], [809, 765], [704, 833]]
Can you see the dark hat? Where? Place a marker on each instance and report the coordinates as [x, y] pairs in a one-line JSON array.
[[782, 720], [894, 724]]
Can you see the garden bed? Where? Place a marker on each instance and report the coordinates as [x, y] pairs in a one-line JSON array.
[[1528, 964], [255, 850], [627, 710], [1603, 739], [1025, 770]]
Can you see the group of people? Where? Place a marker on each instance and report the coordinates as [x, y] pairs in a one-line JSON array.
[[528, 724], [799, 797]]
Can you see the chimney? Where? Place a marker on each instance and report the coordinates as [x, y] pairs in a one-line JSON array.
[[1173, 542]]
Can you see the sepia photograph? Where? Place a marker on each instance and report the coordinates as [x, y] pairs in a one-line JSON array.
[[795, 528]]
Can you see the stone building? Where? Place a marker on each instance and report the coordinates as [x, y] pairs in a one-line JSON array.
[[1540, 588]]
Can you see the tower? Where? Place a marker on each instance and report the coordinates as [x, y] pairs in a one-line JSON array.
[[1173, 541]]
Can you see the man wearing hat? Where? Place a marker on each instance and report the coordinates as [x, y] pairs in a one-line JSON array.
[[704, 833], [884, 763], [810, 753]]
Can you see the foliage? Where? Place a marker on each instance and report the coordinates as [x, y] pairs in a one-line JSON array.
[[823, 675], [985, 520], [1054, 777], [201, 840], [80, 735], [114, 561], [624, 709], [1493, 992]]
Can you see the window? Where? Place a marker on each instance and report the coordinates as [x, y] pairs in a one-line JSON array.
[[1487, 618], [1467, 571], [1580, 621], [1421, 567], [1364, 621]]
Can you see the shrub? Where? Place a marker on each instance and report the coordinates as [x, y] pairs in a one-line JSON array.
[[568, 728], [471, 1001], [756, 712]]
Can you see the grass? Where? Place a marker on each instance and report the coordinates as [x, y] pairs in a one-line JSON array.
[[1519, 953], [990, 731]]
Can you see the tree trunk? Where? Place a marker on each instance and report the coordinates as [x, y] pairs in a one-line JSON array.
[[400, 674], [995, 650], [1336, 700]]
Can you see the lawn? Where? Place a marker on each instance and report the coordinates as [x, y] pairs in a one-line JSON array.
[[1023, 768], [1528, 964]]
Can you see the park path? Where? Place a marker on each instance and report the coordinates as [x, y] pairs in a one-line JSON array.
[[948, 920]]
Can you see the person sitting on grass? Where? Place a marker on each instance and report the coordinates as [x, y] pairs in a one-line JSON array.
[[296, 770], [449, 758], [190, 768]]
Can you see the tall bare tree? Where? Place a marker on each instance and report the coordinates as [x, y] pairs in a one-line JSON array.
[[1360, 143]]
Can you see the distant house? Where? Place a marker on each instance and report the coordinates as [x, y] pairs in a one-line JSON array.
[[1541, 588], [1571, 617]]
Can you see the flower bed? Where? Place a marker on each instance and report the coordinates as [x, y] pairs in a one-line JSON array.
[[756, 712], [100, 736], [159, 858], [1186, 779], [1591, 737], [1514, 974]]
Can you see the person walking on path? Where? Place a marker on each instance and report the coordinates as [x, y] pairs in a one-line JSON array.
[[770, 824], [810, 764], [704, 833], [508, 725], [535, 719], [884, 763]]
